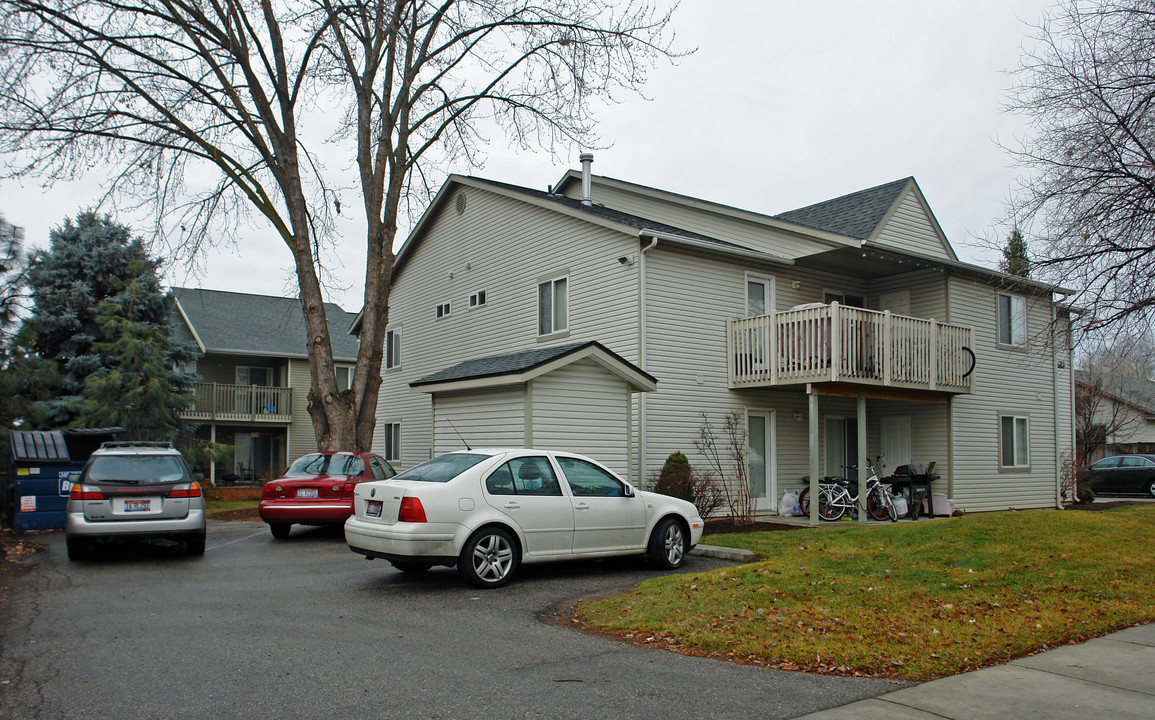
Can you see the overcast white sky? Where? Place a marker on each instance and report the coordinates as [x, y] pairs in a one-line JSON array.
[[784, 104]]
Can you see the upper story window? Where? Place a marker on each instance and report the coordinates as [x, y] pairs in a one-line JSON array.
[[553, 306], [247, 375], [1012, 320], [477, 299], [344, 376], [393, 348], [1014, 441], [443, 310], [759, 295]]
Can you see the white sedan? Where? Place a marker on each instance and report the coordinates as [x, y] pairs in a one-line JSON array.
[[488, 511]]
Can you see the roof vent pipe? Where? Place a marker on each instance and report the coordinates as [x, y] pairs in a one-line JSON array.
[[587, 159]]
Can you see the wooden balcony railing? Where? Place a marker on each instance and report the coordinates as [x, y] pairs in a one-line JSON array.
[[217, 402], [833, 343]]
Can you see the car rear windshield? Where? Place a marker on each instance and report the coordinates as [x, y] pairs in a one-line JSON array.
[[442, 469], [140, 469], [320, 464]]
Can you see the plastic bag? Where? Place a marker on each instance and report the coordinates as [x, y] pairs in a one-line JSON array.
[[788, 507], [900, 506]]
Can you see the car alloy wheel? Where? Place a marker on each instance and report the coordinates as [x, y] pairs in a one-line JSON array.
[[668, 545], [1151, 488], [488, 558]]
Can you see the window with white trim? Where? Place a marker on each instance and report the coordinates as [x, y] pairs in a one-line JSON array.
[[553, 306], [1012, 320], [443, 310], [1014, 441], [392, 441], [393, 348], [477, 299], [344, 376]]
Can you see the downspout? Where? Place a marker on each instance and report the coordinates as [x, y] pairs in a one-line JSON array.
[[1055, 403], [642, 417]]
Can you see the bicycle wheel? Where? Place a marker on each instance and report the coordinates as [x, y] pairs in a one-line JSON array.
[[878, 506], [832, 503], [827, 509]]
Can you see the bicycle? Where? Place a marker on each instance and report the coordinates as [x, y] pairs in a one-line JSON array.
[[838, 496]]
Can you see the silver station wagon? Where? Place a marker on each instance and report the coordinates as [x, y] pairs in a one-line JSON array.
[[134, 491]]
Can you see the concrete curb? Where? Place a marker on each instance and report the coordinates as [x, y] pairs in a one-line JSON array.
[[724, 553]]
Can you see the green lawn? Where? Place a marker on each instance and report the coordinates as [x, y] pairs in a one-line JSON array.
[[212, 507], [909, 600]]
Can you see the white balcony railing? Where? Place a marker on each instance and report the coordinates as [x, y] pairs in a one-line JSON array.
[[247, 403], [833, 343]]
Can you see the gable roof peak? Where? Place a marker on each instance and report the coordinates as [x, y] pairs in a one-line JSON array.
[[856, 215]]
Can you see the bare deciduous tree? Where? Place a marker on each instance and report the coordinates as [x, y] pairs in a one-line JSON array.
[[1111, 391], [209, 112], [1088, 194], [736, 485]]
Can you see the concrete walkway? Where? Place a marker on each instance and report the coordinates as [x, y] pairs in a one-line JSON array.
[[1109, 677]]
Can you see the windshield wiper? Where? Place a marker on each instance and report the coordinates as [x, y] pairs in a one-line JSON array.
[[119, 482]]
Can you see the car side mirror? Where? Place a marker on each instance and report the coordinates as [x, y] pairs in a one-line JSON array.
[[628, 491]]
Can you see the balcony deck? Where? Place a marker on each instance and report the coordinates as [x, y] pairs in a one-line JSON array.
[[838, 344], [217, 402]]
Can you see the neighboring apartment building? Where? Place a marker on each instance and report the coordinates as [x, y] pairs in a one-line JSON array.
[[605, 317], [253, 384], [1122, 407]]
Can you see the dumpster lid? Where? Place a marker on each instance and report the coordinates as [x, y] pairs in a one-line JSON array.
[[38, 445]]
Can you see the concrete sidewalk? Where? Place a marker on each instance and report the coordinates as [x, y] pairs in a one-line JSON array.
[[1108, 677]]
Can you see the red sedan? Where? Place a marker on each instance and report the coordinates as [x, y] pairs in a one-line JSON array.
[[317, 489]]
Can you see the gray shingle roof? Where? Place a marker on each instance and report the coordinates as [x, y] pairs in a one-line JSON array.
[[512, 363], [1139, 392], [635, 221], [855, 215], [257, 324]]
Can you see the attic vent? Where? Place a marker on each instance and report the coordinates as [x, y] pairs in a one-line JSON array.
[[460, 203]]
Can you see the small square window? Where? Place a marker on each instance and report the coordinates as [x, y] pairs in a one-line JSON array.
[[477, 299], [344, 377], [443, 310]]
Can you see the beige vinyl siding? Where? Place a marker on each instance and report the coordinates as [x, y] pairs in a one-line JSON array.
[[582, 408], [302, 438], [1008, 381], [484, 419], [911, 228], [718, 225], [927, 291], [505, 247]]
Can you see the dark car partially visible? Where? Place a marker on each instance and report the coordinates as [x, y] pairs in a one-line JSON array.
[[1121, 474]]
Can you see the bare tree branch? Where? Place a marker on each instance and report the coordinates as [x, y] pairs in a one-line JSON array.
[[208, 113]]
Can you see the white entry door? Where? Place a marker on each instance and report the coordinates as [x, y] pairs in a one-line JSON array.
[[895, 443], [763, 478]]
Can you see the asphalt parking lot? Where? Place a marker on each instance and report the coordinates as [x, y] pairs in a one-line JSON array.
[[303, 628]]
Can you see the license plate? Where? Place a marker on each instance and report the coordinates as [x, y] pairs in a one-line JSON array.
[[137, 506], [373, 509], [306, 492]]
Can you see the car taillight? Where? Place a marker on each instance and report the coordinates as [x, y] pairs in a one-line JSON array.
[[411, 510], [85, 492], [192, 490], [272, 488]]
